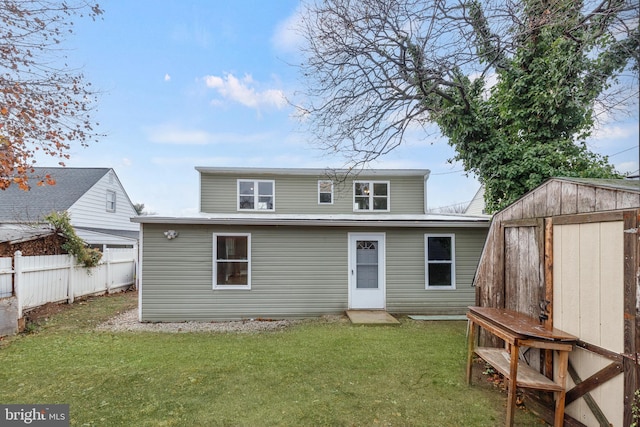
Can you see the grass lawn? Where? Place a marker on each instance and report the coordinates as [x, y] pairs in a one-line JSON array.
[[316, 373]]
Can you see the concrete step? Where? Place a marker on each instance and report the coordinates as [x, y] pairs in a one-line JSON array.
[[371, 317]]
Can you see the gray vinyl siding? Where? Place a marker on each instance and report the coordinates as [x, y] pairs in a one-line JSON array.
[[299, 194], [406, 282], [295, 272]]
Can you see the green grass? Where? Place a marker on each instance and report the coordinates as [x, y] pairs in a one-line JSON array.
[[316, 373]]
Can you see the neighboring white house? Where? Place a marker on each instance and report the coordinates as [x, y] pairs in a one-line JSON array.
[[477, 205], [96, 201]]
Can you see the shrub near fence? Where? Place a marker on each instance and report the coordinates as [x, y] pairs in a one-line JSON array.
[[54, 278]]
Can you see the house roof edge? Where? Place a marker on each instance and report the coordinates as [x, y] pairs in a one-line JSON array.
[[313, 171], [400, 221]]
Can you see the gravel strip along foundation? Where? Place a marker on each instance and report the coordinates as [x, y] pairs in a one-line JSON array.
[[128, 321]]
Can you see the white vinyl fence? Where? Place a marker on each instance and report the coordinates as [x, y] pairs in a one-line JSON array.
[[6, 274], [38, 280]]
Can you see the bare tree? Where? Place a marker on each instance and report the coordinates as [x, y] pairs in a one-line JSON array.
[[377, 69], [44, 104]]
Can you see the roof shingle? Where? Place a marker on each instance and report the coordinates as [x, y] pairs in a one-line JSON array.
[[17, 205]]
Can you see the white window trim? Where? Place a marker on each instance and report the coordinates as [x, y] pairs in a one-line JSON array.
[[215, 262], [108, 201], [256, 196], [371, 184], [321, 181], [452, 262]]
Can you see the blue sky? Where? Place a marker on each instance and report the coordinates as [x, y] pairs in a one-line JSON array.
[[203, 83]]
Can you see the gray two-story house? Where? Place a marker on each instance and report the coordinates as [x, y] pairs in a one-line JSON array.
[[279, 243]]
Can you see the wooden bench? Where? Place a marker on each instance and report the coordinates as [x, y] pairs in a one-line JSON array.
[[518, 330]]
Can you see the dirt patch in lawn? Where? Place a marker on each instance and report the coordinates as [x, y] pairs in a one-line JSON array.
[[483, 376], [43, 313]]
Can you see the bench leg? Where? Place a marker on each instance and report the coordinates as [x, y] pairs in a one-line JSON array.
[[513, 379], [563, 361], [471, 346]]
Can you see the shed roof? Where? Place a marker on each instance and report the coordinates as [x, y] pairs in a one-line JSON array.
[[618, 184], [18, 233], [568, 196], [17, 205]]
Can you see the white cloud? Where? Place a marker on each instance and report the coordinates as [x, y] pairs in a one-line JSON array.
[[175, 134], [245, 91], [287, 37], [220, 161], [615, 132], [167, 77], [627, 167], [192, 33], [171, 135]]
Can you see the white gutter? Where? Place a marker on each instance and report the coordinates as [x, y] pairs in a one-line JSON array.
[[312, 171], [472, 222]]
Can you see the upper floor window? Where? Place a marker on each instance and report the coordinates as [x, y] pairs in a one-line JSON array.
[[256, 195], [440, 266], [325, 192], [371, 196], [111, 201]]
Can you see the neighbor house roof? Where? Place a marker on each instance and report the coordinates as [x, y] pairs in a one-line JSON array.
[[17, 205]]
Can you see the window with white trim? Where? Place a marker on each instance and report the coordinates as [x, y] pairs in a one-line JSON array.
[[440, 265], [325, 192], [111, 201], [232, 261], [256, 195], [371, 196]]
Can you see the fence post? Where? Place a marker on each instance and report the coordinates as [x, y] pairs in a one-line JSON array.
[[70, 290], [17, 280], [109, 273]]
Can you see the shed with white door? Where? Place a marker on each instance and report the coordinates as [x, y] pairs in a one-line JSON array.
[[566, 253]]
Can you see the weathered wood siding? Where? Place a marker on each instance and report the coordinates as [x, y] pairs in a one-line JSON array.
[[299, 194], [295, 272], [588, 302], [587, 268], [553, 198], [524, 284]]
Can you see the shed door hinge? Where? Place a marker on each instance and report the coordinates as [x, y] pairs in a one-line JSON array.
[[632, 231]]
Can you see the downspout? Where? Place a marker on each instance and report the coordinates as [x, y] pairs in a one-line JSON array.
[[138, 279]]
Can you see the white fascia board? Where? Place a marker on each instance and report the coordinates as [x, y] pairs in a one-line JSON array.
[[389, 221], [314, 171]]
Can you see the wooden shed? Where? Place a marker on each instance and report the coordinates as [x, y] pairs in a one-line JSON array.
[[567, 253]]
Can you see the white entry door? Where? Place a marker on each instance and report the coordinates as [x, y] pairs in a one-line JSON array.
[[367, 271]]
